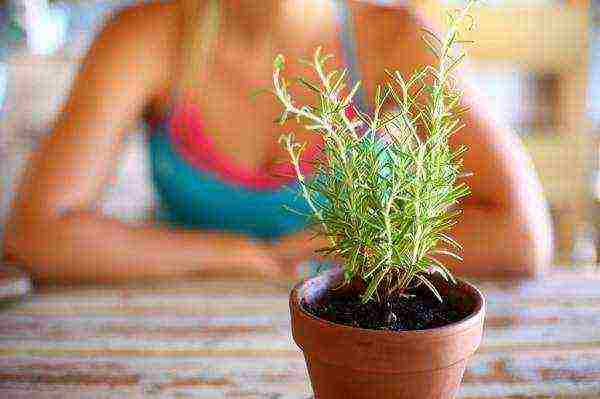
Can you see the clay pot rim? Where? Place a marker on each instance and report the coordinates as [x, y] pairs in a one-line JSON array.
[[468, 322]]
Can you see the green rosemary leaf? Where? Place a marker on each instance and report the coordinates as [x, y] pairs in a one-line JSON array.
[[297, 212], [430, 46], [450, 241], [444, 252], [279, 62], [374, 284], [433, 36], [430, 286], [339, 81], [455, 62], [256, 92], [349, 97], [309, 85], [438, 267]]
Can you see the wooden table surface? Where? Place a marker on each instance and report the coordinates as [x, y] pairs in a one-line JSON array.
[[217, 339]]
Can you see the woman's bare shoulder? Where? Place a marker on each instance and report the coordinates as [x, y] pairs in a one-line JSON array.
[[397, 16], [138, 45], [149, 25]]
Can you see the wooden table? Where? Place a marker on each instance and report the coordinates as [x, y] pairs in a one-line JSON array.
[[217, 339]]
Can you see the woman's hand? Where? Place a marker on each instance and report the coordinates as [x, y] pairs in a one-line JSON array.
[[243, 257], [238, 256], [246, 258], [298, 247]]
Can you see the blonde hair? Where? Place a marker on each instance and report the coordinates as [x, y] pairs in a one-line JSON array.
[[201, 27]]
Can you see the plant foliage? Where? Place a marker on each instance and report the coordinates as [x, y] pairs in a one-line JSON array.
[[387, 183]]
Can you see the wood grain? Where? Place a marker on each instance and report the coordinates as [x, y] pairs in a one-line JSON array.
[[224, 339], [13, 283]]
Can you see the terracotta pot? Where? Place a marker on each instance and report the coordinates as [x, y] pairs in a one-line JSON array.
[[352, 363]]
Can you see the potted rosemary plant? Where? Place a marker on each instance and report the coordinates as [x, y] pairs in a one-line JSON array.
[[392, 322]]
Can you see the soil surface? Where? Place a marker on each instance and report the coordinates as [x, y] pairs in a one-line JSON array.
[[420, 310]]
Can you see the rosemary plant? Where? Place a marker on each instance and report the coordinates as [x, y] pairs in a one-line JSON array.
[[387, 183]]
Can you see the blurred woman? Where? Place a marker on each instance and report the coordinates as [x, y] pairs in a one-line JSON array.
[[187, 67]]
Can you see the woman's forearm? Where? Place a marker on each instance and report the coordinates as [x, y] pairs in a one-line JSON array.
[[86, 246], [502, 244]]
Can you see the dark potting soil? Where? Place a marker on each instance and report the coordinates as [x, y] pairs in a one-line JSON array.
[[420, 310]]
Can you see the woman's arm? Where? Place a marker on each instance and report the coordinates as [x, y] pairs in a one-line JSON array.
[[506, 229], [86, 247], [54, 230]]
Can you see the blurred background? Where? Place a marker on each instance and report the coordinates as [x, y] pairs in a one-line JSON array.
[[536, 61]]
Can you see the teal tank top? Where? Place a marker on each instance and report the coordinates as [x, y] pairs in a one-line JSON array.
[[193, 198]]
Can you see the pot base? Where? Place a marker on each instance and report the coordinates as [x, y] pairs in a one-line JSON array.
[[333, 382]]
